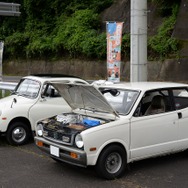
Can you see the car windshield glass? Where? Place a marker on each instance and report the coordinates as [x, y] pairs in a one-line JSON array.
[[28, 88], [121, 100]]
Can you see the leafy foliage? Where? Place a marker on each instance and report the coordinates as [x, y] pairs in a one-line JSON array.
[[71, 27], [126, 46], [165, 7], [54, 28], [163, 44]]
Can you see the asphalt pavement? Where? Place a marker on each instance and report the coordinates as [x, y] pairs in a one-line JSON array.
[[27, 167]]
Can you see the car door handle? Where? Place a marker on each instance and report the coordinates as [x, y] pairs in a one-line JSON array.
[[179, 115]]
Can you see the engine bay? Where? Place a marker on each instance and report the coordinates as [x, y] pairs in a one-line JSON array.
[[63, 128]]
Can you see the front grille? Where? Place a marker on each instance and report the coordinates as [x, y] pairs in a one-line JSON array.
[[60, 136]]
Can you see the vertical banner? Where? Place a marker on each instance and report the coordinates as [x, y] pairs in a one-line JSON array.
[[114, 38], [1, 59]]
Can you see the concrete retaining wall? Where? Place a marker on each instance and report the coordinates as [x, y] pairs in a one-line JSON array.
[[169, 70]]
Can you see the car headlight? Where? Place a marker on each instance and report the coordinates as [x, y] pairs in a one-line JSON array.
[[78, 141], [39, 129]]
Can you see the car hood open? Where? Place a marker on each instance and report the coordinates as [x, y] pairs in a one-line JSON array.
[[85, 97]]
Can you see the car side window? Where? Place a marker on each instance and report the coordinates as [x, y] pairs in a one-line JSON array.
[[154, 102], [180, 98], [50, 91]]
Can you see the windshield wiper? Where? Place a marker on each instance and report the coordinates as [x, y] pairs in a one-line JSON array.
[[14, 93], [25, 95]]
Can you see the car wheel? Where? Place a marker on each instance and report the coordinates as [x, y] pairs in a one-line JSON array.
[[112, 162], [18, 133]]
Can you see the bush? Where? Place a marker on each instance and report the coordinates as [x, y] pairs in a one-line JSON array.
[[54, 28], [165, 7], [163, 44], [78, 34]]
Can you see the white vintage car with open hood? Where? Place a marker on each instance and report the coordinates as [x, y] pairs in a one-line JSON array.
[[112, 125], [34, 98]]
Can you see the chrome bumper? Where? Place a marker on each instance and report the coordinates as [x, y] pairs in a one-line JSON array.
[[66, 154]]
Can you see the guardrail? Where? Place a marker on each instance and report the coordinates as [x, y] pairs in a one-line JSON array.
[[9, 9], [7, 86]]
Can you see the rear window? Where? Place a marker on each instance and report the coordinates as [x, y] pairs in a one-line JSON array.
[[180, 98]]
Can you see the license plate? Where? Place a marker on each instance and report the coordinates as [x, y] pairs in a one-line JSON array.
[[54, 151]]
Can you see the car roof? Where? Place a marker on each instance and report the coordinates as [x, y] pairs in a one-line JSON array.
[[144, 86], [53, 78], [54, 75]]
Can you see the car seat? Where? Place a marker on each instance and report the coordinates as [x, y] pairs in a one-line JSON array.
[[157, 105]]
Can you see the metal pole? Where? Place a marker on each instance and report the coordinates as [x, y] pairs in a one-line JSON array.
[[1, 59], [138, 41]]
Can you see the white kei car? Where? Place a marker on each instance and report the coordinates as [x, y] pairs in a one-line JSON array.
[[34, 98], [113, 125]]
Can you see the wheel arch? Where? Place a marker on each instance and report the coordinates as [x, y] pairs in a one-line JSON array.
[[21, 119], [110, 144]]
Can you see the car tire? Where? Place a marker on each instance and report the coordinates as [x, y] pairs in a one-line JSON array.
[[18, 133], [112, 162]]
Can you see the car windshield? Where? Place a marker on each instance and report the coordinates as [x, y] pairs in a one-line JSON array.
[[28, 88], [121, 100]]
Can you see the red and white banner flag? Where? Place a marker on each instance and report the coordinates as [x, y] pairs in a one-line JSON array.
[[114, 39]]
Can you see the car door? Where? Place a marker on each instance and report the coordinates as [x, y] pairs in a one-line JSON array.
[[180, 97], [155, 133]]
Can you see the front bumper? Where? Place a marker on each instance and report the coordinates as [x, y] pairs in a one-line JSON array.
[[63, 153]]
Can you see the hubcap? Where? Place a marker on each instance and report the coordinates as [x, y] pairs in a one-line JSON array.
[[113, 162], [18, 134]]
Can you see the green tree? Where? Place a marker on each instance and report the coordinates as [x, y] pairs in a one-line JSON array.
[[54, 27]]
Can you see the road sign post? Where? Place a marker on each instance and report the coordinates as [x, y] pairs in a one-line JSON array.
[[7, 9], [1, 58]]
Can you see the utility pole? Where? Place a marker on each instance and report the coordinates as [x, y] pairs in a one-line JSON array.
[[138, 63]]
